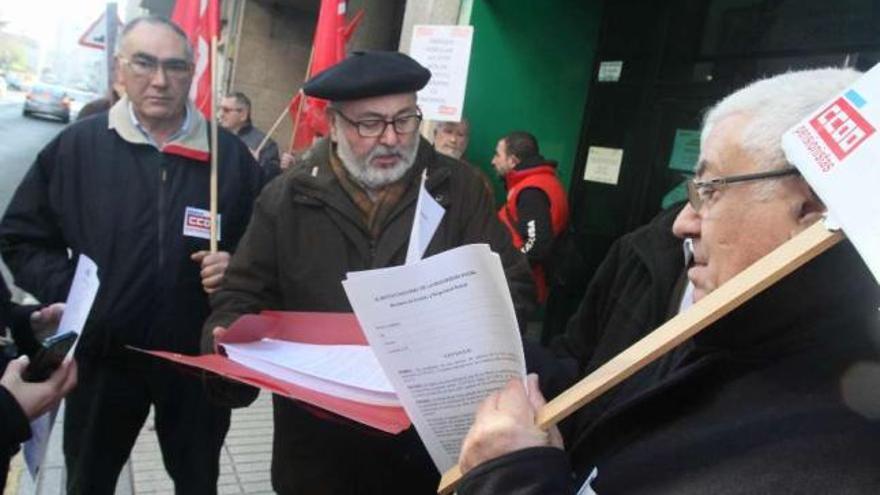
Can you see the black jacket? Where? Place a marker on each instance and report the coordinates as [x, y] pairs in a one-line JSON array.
[[269, 159], [122, 202], [14, 429], [777, 397], [14, 426]]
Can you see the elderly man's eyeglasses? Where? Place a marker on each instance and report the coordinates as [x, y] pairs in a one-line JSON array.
[[146, 66], [369, 128], [699, 191]]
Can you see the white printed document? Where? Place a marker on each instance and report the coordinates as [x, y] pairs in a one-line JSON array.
[[77, 307], [445, 332]]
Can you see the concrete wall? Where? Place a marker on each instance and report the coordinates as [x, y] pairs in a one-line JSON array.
[[380, 28], [272, 52], [270, 60], [441, 12]]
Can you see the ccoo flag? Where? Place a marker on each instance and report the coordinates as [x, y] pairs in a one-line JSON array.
[[328, 48], [200, 19]]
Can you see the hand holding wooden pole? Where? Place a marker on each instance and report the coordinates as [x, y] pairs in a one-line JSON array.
[[754, 279]]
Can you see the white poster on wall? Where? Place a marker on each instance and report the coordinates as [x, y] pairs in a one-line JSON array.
[[603, 165], [446, 52]]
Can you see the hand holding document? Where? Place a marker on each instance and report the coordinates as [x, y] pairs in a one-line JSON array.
[[445, 332], [76, 311]]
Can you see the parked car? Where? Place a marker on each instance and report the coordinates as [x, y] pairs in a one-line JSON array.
[[46, 99]]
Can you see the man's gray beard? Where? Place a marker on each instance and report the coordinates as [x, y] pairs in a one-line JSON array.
[[372, 177]]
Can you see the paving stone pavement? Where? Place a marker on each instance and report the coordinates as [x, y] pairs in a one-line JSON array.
[[244, 461]]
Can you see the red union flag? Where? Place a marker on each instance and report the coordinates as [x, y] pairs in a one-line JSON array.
[[200, 19], [328, 49], [841, 127]]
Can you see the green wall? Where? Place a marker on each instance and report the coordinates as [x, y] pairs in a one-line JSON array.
[[530, 69]]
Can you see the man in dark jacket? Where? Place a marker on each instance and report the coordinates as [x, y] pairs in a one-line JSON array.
[[129, 188], [350, 206], [235, 117], [536, 210], [779, 396]]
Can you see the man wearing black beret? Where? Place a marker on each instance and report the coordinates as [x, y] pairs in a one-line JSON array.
[[349, 207]]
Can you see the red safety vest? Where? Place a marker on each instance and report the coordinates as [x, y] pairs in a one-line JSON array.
[[542, 177]]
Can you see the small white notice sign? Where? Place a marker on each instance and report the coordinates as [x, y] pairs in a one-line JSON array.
[[603, 165], [446, 52], [837, 150], [610, 70]]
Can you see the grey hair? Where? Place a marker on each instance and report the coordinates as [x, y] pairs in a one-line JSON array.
[[776, 104], [464, 121], [160, 21]]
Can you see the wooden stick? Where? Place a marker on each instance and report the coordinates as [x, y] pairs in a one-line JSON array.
[[214, 147], [754, 279], [272, 130]]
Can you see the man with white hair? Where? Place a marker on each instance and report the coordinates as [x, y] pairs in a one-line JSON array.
[[778, 396], [350, 206], [129, 188], [452, 138]]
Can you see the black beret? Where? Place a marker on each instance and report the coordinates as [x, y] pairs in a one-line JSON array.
[[368, 73]]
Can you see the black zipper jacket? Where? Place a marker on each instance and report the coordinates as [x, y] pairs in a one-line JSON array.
[[100, 189]]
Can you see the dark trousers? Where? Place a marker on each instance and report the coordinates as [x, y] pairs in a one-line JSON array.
[[106, 411]]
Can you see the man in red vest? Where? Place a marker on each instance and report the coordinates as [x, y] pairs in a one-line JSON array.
[[536, 211]]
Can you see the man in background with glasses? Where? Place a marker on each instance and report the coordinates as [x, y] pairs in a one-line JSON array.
[[349, 206], [780, 395], [129, 188], [236, 117]]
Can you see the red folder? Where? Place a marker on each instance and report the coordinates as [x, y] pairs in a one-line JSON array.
[[309, 328]]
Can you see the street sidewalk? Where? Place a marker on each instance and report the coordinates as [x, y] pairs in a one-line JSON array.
[[244, 461]]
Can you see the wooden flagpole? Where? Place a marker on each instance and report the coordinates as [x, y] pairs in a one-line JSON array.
[[272, 130], [214, 148], [754, 279]]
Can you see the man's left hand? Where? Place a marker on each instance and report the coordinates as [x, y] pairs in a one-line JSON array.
[[213, 268], [44, 322], [505, 423]]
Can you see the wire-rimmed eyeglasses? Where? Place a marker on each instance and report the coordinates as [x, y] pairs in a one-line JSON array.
[[698, 191], [146, 66]]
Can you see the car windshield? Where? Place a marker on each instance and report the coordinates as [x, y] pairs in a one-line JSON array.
[[51, 90]]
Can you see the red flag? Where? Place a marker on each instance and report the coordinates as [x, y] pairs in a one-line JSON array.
[[200, 19], [328, 49]]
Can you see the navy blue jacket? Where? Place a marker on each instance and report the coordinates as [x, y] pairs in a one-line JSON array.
[[100, 189]]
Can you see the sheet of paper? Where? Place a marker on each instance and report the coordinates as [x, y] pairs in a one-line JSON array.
[[446, 51], [76, 310], [326, 368], [445, 332], [35, 448], [603, 165], [837, 149], [352, 365], [428, 215], [80, 298]]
